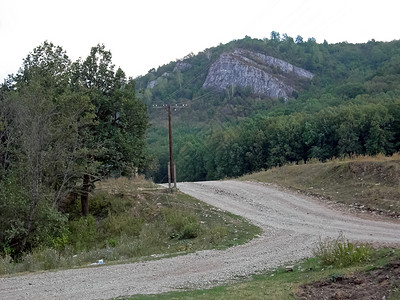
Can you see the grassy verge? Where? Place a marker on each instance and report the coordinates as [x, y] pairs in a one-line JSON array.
[[361, 183], [133, 220], [280, 284]]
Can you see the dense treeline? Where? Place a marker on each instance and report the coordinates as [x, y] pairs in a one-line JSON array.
[[369, 127], [63, 126], [354, 92]]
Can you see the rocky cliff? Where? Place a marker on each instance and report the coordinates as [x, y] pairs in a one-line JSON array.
[[265, 75]]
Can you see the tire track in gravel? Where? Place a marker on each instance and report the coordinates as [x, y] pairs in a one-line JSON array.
[[291, 224]]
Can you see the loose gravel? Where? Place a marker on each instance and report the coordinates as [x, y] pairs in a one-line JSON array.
[[292, 224]]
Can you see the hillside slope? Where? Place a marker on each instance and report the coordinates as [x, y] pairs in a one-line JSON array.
[[363, 184], [254, 104], [350, 69]]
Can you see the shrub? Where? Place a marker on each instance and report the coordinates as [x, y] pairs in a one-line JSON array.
[[100, 204], [6, 265], [177, 220], [15, 207], [124, 223], [190, 231], [43, 259], [341, 252], [83, 233], [216, 234]]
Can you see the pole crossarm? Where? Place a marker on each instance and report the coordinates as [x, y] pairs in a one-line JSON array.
[[165, 106]]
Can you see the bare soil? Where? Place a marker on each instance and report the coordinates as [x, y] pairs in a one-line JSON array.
[[292, 224], [376, 284]]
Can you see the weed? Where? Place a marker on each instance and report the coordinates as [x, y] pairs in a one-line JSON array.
[[340, 252], [216, 234], [190, 231], [336, 277], [60, 242], [6, 265], [111, 242]]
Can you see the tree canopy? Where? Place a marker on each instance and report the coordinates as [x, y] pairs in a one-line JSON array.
[[63, 125]]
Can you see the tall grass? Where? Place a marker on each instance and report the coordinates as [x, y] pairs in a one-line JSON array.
[[340, 252]]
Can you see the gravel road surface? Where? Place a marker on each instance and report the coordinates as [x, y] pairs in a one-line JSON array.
[[291, 223]]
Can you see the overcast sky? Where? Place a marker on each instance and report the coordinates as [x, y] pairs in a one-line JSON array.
[[149, 33]]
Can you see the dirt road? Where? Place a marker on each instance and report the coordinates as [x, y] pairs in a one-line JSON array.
[[292, 224]]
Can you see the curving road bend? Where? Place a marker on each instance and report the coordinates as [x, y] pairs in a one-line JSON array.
[[291, 224]]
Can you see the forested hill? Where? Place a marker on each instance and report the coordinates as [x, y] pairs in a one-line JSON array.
[[256, 103]]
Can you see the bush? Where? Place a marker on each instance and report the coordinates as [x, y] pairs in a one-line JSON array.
[[83, 233], [341, 252], [124, 223], [182, 224], [100, 204], [15, 207], [216, 234], [41, 259], [190, 231], [6, 265]]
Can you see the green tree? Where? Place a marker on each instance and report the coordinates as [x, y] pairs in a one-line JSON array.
[[275, 36], [349, 131], [378, 138], [63, 125], [254, 142], [115, 143], [299, 39], [41, 121], [284, 139], [320, 134], [190, 160]]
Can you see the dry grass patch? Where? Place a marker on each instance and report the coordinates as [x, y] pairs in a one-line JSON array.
[[363, 183]]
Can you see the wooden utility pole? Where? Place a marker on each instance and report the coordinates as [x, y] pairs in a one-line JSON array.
[[171, 156], [171, 165]]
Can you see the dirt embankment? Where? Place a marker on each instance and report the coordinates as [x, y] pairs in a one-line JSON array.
[[364, 185], [376, 284]]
